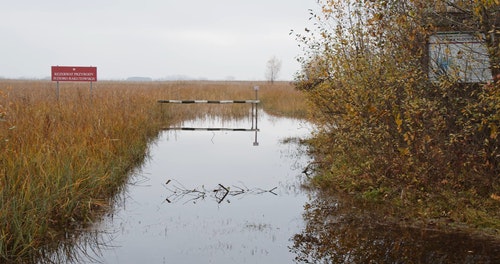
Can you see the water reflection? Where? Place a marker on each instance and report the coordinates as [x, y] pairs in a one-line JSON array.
[[186, 127], [80, 246], [337, 231], [230, 202]]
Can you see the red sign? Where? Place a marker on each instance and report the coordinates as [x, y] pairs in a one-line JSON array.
[[74, 74]]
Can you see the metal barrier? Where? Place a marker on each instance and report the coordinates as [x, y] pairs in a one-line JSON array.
[[254, 127]]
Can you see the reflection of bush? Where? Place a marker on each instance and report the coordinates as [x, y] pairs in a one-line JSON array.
[[337, 232]]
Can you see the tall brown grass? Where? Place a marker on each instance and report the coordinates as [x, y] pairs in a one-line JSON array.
[[62, 159], [281, 99]]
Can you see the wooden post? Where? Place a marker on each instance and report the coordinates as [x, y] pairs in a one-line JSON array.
[[57, 90]]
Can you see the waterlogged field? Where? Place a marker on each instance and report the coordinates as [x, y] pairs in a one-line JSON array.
[[64, 157], [67, 163]]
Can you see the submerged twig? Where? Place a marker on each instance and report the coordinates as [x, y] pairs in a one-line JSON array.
[[220, 193]]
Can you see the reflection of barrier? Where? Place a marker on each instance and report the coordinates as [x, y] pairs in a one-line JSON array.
[[212, 129], [220, 193], [209, 101], [254, 103]]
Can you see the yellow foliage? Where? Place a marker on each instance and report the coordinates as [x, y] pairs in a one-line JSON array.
[[493, 131], [399, 121]]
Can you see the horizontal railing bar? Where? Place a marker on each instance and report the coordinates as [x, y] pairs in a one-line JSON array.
[[209, 101], [210, 129]]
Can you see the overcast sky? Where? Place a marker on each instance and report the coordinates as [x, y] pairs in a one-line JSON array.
[[202, 39]]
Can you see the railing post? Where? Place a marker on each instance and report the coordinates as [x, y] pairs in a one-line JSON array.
[[254, 114]]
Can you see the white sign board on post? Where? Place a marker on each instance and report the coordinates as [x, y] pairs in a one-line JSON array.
[[460, 56]]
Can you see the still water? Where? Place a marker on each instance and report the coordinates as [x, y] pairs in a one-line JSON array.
[[212, 197], [236, 197]]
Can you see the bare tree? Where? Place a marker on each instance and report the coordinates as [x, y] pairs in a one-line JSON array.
[[273, 69]]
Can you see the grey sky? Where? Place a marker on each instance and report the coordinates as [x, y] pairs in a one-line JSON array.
[[211, 39]]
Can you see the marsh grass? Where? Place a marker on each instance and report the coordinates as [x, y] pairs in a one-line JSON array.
[[280, 100], [62, 160]]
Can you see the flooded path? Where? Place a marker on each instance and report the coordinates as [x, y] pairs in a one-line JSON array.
[[212, 197]]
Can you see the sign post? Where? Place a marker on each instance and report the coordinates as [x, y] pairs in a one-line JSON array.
[[73, 74]]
